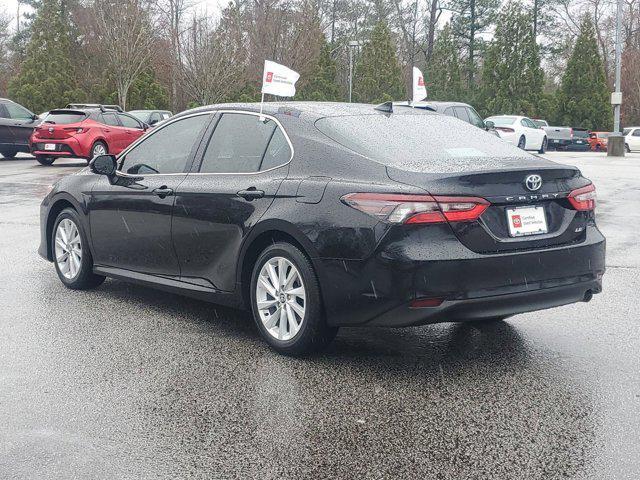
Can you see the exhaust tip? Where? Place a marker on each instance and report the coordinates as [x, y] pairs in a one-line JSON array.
[[588, 295]]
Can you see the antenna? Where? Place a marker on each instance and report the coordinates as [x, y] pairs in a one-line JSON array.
[[386, 107]]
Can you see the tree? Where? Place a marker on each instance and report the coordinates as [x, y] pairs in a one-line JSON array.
[[443, 75], [583, 97], [4, 52], [146, 93], [470, 19], [125, 32], [512, 80], [47, 77], [321, 84], [378, 76]]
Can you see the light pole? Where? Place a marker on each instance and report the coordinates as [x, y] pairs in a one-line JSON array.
[[615, 145], [352, 44]]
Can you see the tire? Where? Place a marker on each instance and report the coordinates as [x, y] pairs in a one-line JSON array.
[[312, 332], [44, 160], [9, 153], [543, 147], [98, 148], [522, 143], [598, 148], [79, 274]]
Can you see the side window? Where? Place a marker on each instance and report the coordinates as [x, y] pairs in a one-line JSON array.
[[167, 150], [16, 112], [3, 111], [111, 119], [461, 113], [129, 122], [278, 152], [239, 145], [636, 132], [523, 122], [449, 111], [474, 118]]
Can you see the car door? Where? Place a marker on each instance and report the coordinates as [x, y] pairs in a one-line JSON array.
[[6, 135], [533, 134], [22, 123], [130, 218], [114, 133], [236, 179], [633, 140], [133, 128]]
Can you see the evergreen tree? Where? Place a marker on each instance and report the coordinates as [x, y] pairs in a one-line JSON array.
[[443, 75], [146, 93], [378, 76], [322, 84], [46, 79], [583, 97], [512, 80]]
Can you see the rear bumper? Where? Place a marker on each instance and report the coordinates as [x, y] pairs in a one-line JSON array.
[[379, 291], [69, 147]]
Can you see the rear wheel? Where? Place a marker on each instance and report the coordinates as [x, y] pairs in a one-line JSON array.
[[598, 148], [71, 254], [99, 148], [286, 301], [522, 142], [9, 153], [44, 160], [543, 147]]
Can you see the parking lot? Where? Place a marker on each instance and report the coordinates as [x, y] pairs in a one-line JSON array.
[[128, 382]]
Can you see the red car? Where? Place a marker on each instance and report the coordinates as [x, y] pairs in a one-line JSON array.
[[84, 133], [598, 141]]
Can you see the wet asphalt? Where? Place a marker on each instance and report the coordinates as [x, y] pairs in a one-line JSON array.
[[125, 382]]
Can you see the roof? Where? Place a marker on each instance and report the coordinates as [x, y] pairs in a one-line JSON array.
[[308, 109]]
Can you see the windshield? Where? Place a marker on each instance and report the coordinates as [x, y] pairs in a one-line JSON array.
[[142, 115], [418, 142], [64, 118], [502, 121], [581, 133]]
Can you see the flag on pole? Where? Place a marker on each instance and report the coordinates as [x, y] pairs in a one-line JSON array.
[[419, 89], [279, 80]]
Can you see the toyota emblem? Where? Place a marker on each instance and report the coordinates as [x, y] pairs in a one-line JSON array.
[[50, 129], [533, 182]]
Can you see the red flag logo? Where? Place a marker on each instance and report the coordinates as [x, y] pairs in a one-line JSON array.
[[517, 221]]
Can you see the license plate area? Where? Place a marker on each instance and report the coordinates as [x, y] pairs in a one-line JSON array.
[[525, 221], [50, 147]]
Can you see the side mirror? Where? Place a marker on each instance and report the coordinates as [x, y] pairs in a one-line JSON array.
[[104, 165], [34, 117], [489, 125]]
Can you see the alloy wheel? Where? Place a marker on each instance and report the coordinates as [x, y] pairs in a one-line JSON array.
[[280, 298], [68, 248], [99, 149]]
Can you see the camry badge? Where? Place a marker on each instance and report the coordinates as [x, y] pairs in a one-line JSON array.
[[533, 182]]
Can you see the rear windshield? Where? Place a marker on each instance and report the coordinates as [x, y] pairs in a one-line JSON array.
[[581, 134], [602, 135], [419, 142], [63, 118], [626, 131], [502, 121]]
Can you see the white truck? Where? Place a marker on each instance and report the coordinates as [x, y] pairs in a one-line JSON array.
[[558, 138]]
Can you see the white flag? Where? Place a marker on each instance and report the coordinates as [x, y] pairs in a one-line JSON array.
[[279, 80], [419, 89]]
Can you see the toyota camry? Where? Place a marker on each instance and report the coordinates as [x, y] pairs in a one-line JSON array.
[[314, 216]]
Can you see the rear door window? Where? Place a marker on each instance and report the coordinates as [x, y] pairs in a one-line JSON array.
[[462, 114], [449, 111], [636, 132], [239, 145], [16, 112], [111, 119], [129, 122], [474, 118]]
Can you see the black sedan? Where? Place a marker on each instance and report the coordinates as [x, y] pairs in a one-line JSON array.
[[315, 216], [16, 126]]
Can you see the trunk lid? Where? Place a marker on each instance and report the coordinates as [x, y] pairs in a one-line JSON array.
[[504, 187]]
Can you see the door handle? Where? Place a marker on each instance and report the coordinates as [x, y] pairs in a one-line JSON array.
[[250, 193], [163, 191]]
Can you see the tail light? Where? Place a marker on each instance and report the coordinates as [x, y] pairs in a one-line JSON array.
[[571, 133], [505, 129], [416, 209], [583, 199], [76, 130]]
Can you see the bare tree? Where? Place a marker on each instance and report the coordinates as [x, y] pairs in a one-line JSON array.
[[126, 35], [4, 51]]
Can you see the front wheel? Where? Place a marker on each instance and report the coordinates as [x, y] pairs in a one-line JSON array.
[[543, 147], [522, 142], [286, 302], [71, 254], [626, 146], [44, 160], [9, 153]]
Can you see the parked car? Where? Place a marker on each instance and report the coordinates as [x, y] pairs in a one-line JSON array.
[[151, 117], [631, 139], [520, 131], [558, 138], [579, 140], [16, 125], [318, 215], [463, 111], [84, 133], [598, 141]]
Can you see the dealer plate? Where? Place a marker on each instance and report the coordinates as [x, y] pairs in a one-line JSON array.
[[526, 221], [50, 146]]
